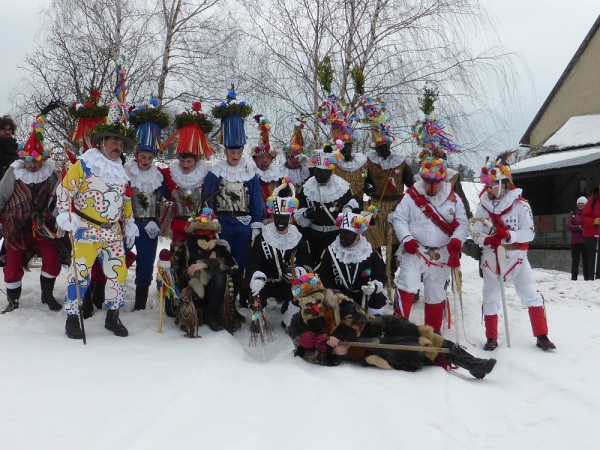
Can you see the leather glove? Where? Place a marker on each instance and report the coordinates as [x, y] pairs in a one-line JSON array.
[[310, 213], [368, 288], [131, 232], [257, 283], [597, 221], [502, 233], [411, 247], [493, 241], [68, 222]]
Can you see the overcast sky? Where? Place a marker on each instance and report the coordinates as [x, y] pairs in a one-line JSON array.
[[546, 33]]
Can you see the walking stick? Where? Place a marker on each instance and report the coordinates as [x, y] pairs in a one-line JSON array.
[[500, 258], [457, 296]]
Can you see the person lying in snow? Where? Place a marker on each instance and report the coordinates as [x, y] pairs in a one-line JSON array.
[[327, 318]]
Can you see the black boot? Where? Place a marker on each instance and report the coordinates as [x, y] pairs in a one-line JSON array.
[[141, 296], [544, 343], [212, 321], [47, 286], [13, 299], [72, 327], [98, 294], [114, 324], [477, 367], [87, 305]]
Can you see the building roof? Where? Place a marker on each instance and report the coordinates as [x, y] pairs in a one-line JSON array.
[[577, 132], [525, 140], [557, 160]]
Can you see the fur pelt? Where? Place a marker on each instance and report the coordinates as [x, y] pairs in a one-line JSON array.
[[187, 314], [199, 281]]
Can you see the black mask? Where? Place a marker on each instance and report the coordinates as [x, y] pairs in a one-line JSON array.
[[347, 151], [322, 175], [384, 150], [281, 221], [347, 238]]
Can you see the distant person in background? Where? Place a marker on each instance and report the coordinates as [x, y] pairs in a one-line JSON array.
[[8, 155], [577, 241], [591, 228]]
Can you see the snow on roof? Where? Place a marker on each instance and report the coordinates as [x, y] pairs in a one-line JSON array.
[[557, 160], [578, 131]]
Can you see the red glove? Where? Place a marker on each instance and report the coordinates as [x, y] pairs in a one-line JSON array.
[[454, 247], [502, 233], [493, 241], [309, 340], [411, 247]]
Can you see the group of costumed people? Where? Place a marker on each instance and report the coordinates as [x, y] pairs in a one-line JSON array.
[[247, 229]]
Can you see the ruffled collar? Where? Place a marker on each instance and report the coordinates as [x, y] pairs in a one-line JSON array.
[[298, 176], [146, 180], [325, 193], [189, 180], [497, 206], [358, 160], [439, 198], [112, 172], [28, 177], [391, 162], [286, 241], [273, 173], [356, 254], [242, 172]]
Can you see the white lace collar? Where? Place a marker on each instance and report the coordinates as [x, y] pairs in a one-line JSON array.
[[497, 206], [356, 254], [298, 176], [332, 190], [358, 160], [28, 177], [144, 180], [242, 172], [439, 198], [271, 174], [189, 180], [391, 162], [112, 172], [286, 241]]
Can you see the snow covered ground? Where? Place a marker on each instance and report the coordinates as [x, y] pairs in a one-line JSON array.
[[164, 391]]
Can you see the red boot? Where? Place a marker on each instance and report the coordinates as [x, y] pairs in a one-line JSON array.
[[491, 332], [406, 301], [539, 326], [434, 314]]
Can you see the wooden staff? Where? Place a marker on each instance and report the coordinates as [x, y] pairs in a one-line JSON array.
[[414, 348]]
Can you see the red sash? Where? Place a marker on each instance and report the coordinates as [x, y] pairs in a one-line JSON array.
[[430, 213]]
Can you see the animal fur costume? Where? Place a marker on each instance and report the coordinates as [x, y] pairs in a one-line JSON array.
[[324, 313]]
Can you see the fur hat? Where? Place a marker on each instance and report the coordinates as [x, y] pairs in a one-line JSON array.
[[377, 116], [306, 284], [116, 121], [206, 220], [433, 169], [283, 205]]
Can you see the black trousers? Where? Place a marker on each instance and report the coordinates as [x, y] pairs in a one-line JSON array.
[[591, 244], [579, 252]]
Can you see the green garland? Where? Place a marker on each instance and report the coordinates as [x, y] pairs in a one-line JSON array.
[[138, 116], [193, 118], [116, 128], [95, 112], [220, 111]]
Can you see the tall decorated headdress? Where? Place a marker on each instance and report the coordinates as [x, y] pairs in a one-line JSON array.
[[33, 150], [192, 128], [296, 145], [283, 205], [148, 121], [497, 169], [430, 133], [88, 115], [264, 143], [204, 220], [377, 115], [232, 112], [115, 124], [357, 223], [337, 114], [306, 284], [324, 160], [433, 169]]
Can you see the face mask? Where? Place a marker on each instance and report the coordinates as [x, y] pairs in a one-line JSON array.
[[347, 238], [281, 221], [322, 175], [347, 151], [383, 150]]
